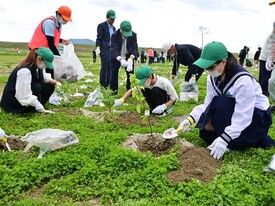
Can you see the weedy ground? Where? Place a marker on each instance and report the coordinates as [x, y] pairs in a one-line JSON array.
[[101, 171]]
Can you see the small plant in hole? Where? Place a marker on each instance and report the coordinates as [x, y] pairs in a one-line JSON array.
[[140, 100], [108, 101]]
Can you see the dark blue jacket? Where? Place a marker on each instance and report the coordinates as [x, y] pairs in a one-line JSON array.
[[103, 35], [116, 43]]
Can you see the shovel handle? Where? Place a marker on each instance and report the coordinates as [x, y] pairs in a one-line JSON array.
[[178, 130]]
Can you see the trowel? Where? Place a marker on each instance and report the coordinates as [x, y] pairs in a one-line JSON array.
[[171, 133], [4, 139]]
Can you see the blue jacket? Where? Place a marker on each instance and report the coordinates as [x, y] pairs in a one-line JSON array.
[[116, 43], [103, 35]]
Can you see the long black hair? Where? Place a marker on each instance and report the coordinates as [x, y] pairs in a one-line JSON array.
[[231, 64]]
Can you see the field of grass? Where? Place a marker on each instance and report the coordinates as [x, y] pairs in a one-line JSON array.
[[100, 171]]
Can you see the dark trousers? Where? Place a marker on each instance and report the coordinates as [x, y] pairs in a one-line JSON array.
[[104, 76], [151, 60], [194, 70], [264, 76], [155, 97], [220, 112], [10, 104], [43, 92], [241, 61], [114, 70]]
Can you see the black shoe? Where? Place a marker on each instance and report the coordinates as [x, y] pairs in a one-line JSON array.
[[272, 108]]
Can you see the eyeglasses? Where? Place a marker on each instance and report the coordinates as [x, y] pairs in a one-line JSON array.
[[213, 66]]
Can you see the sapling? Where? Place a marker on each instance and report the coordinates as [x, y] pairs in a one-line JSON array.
[[140, 100], [108, 101]]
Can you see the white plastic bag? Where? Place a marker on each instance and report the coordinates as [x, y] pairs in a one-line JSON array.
[[49, 139], [68, 66], [189, 90], [94, 98]]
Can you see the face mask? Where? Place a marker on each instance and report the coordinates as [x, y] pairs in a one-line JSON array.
[[41, 66], [62, 21], [147, 84], [214, 73]]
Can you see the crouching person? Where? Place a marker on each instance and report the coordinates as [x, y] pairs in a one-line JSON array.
[[29, 87], [235, 114], [158, 91]]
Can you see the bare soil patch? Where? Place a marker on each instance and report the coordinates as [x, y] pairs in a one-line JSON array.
[[14, 142], [194, 162]]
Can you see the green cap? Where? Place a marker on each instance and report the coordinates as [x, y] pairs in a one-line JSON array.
[[142, 73], [211, 53], [126, 28], [47, 56], [111, 13]]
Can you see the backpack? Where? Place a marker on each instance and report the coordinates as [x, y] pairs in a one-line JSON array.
[[248, 63]]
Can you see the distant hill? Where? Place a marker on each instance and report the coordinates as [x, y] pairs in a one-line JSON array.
[[82, 41]]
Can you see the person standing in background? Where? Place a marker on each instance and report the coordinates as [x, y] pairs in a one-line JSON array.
[[242, 55], [267, 58], [150, 55], [256, 57], [48, 32], [103, 42], [94, 56], [123, 51]]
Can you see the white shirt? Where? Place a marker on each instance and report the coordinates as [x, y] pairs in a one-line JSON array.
[[165, 84], [248, 95], [23, 92]]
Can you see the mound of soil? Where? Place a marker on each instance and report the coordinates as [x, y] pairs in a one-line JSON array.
[[194, 162], [14, 142]]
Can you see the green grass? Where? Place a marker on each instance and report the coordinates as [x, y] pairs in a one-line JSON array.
[[100, 170]]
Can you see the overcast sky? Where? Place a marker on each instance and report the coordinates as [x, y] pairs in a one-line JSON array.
[[233, 22]]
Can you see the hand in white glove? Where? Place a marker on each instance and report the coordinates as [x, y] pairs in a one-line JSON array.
[[130, 65], [118, 102], [159, 109], [185, 125], [269, 65], [218, 148], [192, 80], [97, 51], [123, 63], [39, 107], [2, 133]]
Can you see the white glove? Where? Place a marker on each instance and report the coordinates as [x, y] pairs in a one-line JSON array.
[[118, 102], [97, 51], [130, 65], [39, 107], [2, 133], [123, 63], [185, 125], [159, 109], [268, 65], [192, 80], [218, 148]]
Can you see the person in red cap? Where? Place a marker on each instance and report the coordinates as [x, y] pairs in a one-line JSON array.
[[48, 32]]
